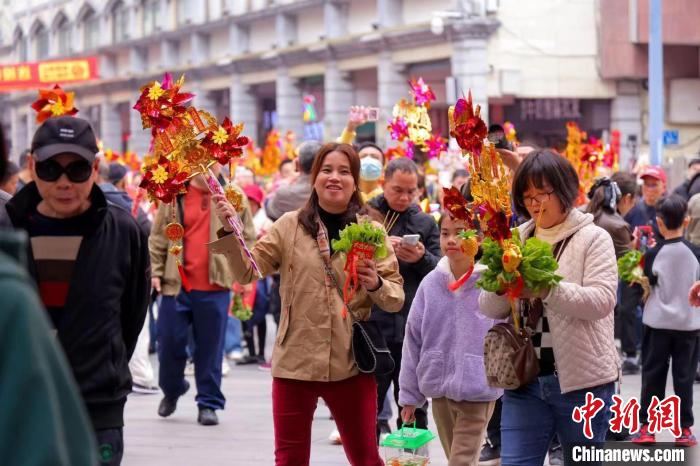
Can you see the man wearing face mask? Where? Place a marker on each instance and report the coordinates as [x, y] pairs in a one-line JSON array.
[[370, 178], [416, 260], [89, 260]]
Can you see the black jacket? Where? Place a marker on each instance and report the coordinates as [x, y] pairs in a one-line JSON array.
[[106, 304], [411, 222]]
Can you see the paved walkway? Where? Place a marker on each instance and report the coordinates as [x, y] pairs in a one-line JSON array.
[[245, 435]]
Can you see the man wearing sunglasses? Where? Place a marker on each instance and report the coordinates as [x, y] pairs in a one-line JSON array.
[[90, 262]]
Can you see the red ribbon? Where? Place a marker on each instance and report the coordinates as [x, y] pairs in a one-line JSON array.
[[513, 291], [454, 286], [183, 277], [352, 283]]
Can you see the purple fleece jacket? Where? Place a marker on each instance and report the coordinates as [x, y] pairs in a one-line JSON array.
[[443, 351]]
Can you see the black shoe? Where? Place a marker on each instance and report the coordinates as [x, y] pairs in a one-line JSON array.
[[383, 426], [697, 375], [168, 405], [629, 368], [207, 417], [489, 455], [249, 360], [556, 456]]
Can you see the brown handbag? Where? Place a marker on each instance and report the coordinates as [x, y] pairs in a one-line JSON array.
[[510, 359]]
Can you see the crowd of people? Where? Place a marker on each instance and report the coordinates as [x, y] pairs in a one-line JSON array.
[[88, 280]]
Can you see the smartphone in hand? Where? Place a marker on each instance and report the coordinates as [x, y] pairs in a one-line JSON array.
[[410, 240]]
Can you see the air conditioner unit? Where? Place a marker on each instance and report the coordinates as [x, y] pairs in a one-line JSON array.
[[684, 106]]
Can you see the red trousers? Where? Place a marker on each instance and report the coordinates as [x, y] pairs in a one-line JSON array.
[[353, 404]]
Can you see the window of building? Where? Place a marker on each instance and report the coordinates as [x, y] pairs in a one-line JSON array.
[[185, 11], [120, 23], [63, 37], [41, 42], [91, 31], [150, 16], [21, 47]]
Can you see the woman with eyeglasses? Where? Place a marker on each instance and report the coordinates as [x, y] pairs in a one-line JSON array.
[[574, 332]]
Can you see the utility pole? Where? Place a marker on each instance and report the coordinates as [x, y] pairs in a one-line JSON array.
[[656, 83]]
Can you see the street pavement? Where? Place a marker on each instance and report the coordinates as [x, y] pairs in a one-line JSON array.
[[245, 433]]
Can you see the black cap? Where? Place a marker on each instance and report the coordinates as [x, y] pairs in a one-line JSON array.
[[64, 135]]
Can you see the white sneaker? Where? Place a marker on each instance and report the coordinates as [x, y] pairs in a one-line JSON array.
[[225, 368], [235, 355], [334, 438], [189, 368]]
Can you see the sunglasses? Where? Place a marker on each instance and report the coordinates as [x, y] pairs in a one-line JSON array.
[[77, 172]]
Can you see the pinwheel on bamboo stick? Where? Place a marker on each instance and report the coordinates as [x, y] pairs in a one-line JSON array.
[[410, 124], [54, 103], [512, 265], [186, 143]]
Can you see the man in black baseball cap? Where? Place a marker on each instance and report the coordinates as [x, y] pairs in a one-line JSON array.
[[90, 262]]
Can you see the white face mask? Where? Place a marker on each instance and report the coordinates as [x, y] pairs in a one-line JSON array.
[[370, 169]]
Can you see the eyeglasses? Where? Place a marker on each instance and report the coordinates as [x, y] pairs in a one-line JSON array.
[[538, 198], [77, 172]]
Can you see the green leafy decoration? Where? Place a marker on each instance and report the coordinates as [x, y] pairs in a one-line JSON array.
[[467, 234], [629, 266], [363, 232], [537, 267]]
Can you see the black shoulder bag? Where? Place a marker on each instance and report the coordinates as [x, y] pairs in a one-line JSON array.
[[369, 347]]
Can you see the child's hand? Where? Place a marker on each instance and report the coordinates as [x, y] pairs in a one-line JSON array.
[[694, 295], [408, 414]]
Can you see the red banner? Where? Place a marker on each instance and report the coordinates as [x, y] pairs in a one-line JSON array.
[[21, 76]]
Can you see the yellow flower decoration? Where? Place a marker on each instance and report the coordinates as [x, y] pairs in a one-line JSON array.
[[160, 175], [155, 92], [221, 136], [57, 109]]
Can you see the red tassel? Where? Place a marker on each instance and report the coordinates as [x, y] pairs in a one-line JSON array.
[[454, 286], [183, 277]]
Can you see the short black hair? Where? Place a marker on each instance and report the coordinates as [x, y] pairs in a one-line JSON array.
[[374, 146], [672, 210], [626, 181], [693, 161], [459, 172], [11, 169], [542, 166], [402, 164]]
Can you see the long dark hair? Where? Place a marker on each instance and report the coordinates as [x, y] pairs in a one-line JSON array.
[[604, 196], [309, 213]]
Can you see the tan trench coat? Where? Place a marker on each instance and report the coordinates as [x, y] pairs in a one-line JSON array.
[[313, 340]]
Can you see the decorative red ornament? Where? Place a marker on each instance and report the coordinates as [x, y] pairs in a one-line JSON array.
[[161, 105], [225, 143], [164, 180], [467, 127], [54, 103], [398, 128], [174, 231], [456, 205]]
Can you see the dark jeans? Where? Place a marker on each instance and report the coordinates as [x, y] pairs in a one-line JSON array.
[[493, 430], [257, 322], [207, 312], [110, 446], [532, 414], [383, 382], [681, 347], [626, 322]]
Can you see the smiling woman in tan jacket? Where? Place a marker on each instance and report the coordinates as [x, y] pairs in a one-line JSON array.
[[312, 357]]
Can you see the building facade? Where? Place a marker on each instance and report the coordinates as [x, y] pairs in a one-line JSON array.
[[535, 63]]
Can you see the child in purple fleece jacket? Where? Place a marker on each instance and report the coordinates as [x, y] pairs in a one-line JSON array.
[[443, 353]]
